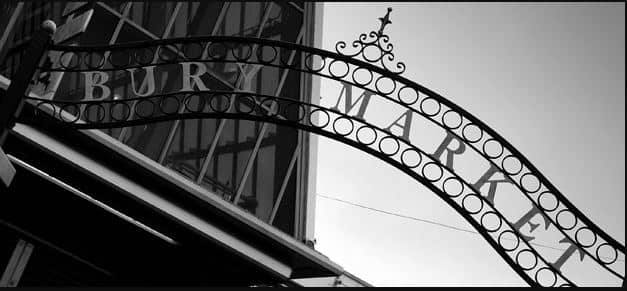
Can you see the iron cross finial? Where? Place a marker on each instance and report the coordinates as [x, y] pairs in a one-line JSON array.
[[385, 21]]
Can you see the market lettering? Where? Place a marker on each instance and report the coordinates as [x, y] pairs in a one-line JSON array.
[[570, 251], [244, 82], [246, 75], [485, 179], [349, 104], [446, 152], [148, 83], [191, 74], [95, 80], [450, 153], [526, 219], [96, 87], [190, 80], [404, 122], [406, 126]]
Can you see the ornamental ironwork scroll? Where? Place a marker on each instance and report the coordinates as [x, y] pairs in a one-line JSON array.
[[369, 65]]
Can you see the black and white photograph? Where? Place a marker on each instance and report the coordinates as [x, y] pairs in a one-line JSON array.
[[205, 144]]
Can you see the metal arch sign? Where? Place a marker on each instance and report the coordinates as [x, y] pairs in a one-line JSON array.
[[366, 65]]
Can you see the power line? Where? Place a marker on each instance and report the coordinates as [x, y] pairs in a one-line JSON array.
[[399, 215], [429, 221]]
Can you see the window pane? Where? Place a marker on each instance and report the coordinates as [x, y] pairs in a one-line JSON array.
[[193, 138], [265, 180], [115, 5], [129, 33], [196, 18], [153, 16], [100, 28]]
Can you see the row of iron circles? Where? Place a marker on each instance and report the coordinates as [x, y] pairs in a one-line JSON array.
[[453, 120], [189, 51], [382, 85], [118, 111], [525, 258], [201, 102], [198, 102], [266, 54], [566, 220], [246, 104], [314, 63], [212, 102], [471, 202], [454, 187], [409, 96], [168, 105], [512, 166], [363, 77], [39, 109], [491, 148], [508, 240], [251, 104], [95, 60], [194, 51], [265, 106], [73, 111], [389, 145], [586, 238], [492, 222], [450, 119], [244, 52], [545, 276], [338, 69], [88, 112], [529, 182], [364, 134]]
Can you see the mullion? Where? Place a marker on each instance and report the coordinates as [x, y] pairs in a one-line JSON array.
[[174, 127]]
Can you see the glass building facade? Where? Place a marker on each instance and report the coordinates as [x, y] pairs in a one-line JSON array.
[[264, 165]]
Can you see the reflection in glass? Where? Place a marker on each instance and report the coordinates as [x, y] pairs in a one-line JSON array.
[[185, 145]]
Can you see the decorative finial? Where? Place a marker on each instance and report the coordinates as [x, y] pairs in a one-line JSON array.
[[49, 26], [374, 48], [385, 21]]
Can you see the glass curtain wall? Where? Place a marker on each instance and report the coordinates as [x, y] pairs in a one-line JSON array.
[[228, 157]]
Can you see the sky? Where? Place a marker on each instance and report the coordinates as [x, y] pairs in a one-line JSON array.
[[549, 77]]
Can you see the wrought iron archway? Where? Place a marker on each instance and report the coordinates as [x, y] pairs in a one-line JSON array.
[[367, 63]]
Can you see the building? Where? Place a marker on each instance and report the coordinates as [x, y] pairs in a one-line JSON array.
[[189, 202]]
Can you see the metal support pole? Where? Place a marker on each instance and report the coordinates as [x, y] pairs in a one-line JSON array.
[[12, 101], [15, 268], [11, 104]]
